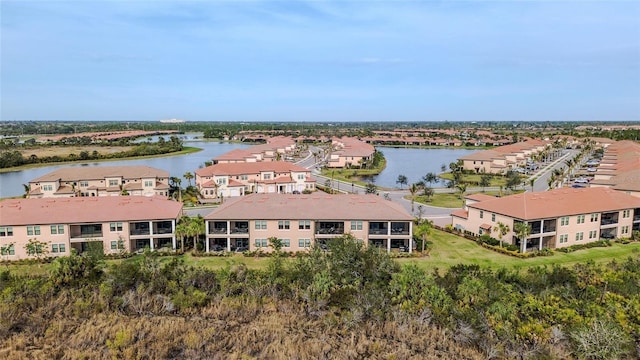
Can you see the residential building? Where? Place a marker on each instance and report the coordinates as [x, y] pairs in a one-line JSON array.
[[502, 158], [121, 223], [303, 220], [558, 218], [274, 150], [101, 181], [619, 168], [349, 152], [237, 179]]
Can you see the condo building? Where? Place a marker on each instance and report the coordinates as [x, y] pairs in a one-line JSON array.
[[101, 181], [502, 158], [303, 220], [558, 218], [274, 150], [119, 224], [237, 179], [619, 168], [350, 152]]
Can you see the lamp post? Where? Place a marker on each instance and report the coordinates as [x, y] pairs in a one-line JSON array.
[[352, 188]]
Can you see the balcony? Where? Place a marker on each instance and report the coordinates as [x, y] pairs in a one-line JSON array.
[[330, 228], [239, 227], [399, 228], [162, 227], [217, 227], [139, 228], [378, 228], [86, 231]]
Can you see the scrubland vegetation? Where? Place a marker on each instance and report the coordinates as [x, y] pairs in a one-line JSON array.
[[349, 302]]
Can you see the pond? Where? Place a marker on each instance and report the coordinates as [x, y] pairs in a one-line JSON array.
[[411, 162], [414, 163]]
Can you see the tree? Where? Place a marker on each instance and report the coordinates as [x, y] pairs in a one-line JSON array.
[[371, 188], [196, 228], [523, 230], [502, 230], [188, 175], [402, 180], [422, 230], [182, 230], [462, 188], [175, 184], [36, 248], [27, 189], [413, 190], [428, 192], [430, 178], [485, 180], [532, 182]]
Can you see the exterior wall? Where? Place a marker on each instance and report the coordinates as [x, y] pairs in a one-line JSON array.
[[259, 237], [262, 182], [70, 240], [576, 232], [97, 187]]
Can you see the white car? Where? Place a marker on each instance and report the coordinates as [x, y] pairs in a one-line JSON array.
[[581, 181]]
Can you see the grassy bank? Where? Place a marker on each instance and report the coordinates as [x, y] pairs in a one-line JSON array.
[[185, 150]]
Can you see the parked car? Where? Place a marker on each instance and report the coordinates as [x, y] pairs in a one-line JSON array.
[[581, 180]]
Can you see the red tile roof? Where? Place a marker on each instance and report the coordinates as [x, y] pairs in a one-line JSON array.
[[249, 168], [101, 172], [15, 212], [559, 202]]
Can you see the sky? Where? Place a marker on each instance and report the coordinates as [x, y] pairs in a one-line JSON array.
[[320, 60]]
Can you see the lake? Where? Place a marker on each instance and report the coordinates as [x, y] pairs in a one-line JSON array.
[[413, 163]]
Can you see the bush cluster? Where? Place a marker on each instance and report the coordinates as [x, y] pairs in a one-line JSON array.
[[589, 245]]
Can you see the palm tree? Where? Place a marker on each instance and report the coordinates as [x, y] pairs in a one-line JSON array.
[[402, 180], [502, 230], [188, 175], [413, 190], [485, 180], [523, 230], [462, 187], [196, 228], [182, 230], [428, 192], [176, 184], [422, 230], [430, 178], [27, 190]]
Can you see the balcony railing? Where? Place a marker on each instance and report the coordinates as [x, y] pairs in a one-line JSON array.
[[381, 231], [338, 230], [87, 234], [605, 221], [139, 232], [218, 231], [162, 231], [240, 230], [399, 231]]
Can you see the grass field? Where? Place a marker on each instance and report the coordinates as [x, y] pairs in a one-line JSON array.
[[474, 179], [446, 250]]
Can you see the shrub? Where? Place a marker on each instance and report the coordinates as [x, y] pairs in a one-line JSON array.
[[572, 248]]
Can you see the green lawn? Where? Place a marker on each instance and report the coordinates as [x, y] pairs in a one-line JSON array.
[[446, 250], [446, 200], [474, 179]]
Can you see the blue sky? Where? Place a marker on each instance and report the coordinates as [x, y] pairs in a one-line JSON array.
[[320, 60]]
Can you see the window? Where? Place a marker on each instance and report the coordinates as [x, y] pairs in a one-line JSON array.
[[114, 183], [260, 243], [117, 245], [33, 230], [244, 177], [564, 238], [267, 176], [58, 248], [7, 250], [481, 214], [300, 176], [625, 230], [626, 213], [593, 234], [594, 217], [304, 243], [283, 225], [261, 224], [579, 236], [286, 243], [115, 226], [221, 181], [57, 229], [47, 187], [493, 217], [84, 183], [356, 225], [580, 219], [6, 231], [148, 183], [564, 221], [304, 225]]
